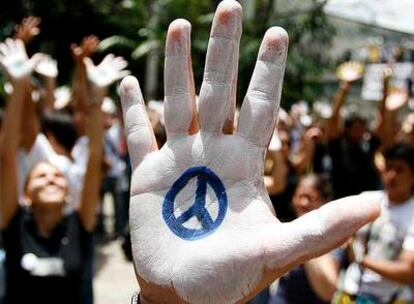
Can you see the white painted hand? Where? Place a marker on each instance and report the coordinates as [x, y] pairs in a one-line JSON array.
[[47, 67], [107, 72], [202, 226], [397, 99], [350, 71], [14, 60]]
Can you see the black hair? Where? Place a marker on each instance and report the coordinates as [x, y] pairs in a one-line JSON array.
[[401, 151], [62, 127], [320, 183], [349, 121]]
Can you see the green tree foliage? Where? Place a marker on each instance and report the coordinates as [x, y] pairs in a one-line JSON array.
[[136, 29]]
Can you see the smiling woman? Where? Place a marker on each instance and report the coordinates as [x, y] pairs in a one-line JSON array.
[[46, 247]]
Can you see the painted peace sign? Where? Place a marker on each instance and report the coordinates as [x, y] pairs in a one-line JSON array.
[[205, 176]]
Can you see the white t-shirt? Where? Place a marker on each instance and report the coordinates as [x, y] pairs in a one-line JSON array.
[[74, 171], [391, 233]]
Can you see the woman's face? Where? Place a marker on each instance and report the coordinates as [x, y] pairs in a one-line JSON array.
[[306, 198], [46, 185]]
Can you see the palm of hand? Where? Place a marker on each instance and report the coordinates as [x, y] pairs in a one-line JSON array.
[[185, 247], [238, 164], [47, 67], [107, 72], [14, 59]]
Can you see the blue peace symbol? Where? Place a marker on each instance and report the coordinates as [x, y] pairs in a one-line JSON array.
[[198, 209]]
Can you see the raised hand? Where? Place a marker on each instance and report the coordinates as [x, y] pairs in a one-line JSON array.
[[397, 99], [14, 60], [107, 72], [87, 47], [27, 29], [202, 226], [47, 67], [350, 71]]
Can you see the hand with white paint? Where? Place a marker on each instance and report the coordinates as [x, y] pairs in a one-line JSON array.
[[202, 226], [107, 72], [47, 67], [14, 60]]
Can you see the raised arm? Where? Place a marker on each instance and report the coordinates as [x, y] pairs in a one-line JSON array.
[[79, 85], [276, 182], [347, 73], [10, 144], [303, 158], [100, 78], [27, 29], [390, 103], [334, 124], [47, 68], [92, 179], [18, 67]]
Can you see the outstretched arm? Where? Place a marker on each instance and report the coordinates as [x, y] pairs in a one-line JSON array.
[[100, 78], [10, 139], [80, 84], [93, 178], [18, 67], [27, 29], [333, 126], [47, 68]]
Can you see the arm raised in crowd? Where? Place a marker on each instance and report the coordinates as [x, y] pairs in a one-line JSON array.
[[276, 182], [92, 180], [27, 29], [334, 124], [303, 158], [18, 67], [10, 140], [391, 101], [80, 86], [47, 68], [100, 78]]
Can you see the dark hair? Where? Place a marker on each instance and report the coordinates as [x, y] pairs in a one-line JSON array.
[[320, 183], [401, 151], [62, 127], [352, 119]]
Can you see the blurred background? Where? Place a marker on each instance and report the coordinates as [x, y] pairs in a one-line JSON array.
[[322, 35]]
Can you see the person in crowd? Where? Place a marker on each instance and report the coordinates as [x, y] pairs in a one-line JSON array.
[[383, 251], [202, 226], [352, 148], [45, 246], [314, 281]]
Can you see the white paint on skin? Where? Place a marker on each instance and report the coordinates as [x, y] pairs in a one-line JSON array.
[[228, 264]]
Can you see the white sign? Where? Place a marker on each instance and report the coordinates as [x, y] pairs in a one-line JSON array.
[[373, 78]]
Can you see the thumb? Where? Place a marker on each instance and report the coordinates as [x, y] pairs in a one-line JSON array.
[[88, 62], [319, 231]]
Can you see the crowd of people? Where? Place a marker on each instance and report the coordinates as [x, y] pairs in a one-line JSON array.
[[60, 154]]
